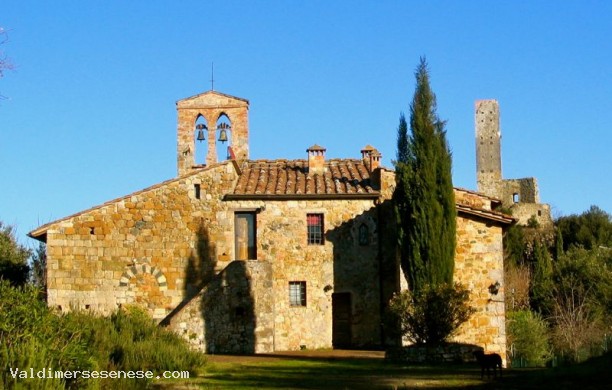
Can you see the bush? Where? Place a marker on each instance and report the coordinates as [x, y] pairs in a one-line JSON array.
[[13, 257], [33, 336], [528, 337], [432, 315], [582, 301]]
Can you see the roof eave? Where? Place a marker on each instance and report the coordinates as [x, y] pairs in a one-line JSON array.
[[372, 196], [489, 215]]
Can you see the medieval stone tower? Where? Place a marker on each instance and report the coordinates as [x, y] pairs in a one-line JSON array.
[[214, 122], [521, 196]]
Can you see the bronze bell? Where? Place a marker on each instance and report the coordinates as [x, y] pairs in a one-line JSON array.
[[201, 128], [223, 135]]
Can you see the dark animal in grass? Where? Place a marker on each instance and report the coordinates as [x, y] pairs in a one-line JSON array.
[[488, 361]]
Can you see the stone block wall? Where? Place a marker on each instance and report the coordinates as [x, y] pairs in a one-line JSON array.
[[478, 265], [341, 264], [137, 249], [233, 313], [167, 250]]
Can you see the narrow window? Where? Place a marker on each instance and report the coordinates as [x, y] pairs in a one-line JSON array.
[[297, 293], [515, 197], [364, 235], [245, 236], [315, 229], [196, 188]]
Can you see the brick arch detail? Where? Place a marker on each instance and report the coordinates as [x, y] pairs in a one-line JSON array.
[[138, 269]]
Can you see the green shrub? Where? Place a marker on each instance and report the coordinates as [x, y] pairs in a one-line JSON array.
[[528, 337], [33, 336], [433, 314], [130, 340]]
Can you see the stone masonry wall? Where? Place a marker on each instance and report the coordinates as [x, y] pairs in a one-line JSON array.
[[165, 250], [234, 312], [478, 265], [340, 265], [137, 249]]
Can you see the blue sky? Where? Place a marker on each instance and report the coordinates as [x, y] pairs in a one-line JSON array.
[[90, 113]]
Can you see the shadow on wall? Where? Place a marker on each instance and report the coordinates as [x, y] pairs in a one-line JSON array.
[[221, 299], [228, 311], [356, 302], [199, 271]]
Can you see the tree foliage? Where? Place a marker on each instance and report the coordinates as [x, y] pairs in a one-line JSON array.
[[528, 337], [541, 287], [432, 314], [424, 197], [38, 275], [31, 335], [13, 257], [402, 140], [590, 229], [581, 299]]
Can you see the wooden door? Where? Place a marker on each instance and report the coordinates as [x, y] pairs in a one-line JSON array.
[[341, 314]]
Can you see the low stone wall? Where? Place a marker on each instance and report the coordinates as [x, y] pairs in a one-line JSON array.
[[448, 353]]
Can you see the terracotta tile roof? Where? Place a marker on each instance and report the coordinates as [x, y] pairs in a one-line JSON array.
[[290, 178]]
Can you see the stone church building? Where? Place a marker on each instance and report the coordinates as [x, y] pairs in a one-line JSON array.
[[250, 256]]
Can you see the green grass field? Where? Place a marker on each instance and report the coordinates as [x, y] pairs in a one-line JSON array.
[[345, 373]]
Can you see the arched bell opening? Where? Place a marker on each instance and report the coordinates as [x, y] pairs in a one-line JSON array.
[[200, 136], [224, 137]]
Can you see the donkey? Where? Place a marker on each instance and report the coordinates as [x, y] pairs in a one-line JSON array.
[[488, 361]]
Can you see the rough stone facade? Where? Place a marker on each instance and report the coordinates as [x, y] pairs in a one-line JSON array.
[[245, 256], [521, 196]]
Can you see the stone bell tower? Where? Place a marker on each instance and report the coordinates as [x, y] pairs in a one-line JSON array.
[[214, 114]]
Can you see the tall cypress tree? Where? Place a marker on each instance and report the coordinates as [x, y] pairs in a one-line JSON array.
[[402, 140], [424, 197]]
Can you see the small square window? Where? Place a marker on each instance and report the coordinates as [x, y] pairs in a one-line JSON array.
[[315, 229], [297, 293]]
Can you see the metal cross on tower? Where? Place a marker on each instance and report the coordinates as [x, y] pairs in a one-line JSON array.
[[212, 76]]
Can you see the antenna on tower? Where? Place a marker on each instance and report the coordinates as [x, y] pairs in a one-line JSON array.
[[212, 76]]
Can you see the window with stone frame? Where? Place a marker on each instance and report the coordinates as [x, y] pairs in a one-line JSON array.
[[297, 293], [245, 235], [315, 229], [364, 235]]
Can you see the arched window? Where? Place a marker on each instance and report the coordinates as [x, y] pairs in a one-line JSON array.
[[224, 137], [364, 235], [201, 145]]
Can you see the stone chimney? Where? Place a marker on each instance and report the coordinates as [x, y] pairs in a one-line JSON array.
[[371, 157], [316, 159]]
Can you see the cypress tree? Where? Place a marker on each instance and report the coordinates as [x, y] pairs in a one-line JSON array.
[[542, 281], [424, 197], [402, 140]]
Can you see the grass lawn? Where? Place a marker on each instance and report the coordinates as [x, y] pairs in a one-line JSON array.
[[370, 373]]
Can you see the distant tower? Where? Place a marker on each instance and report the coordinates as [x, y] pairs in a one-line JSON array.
[[488, 146], [520, 196], [201, 121]]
